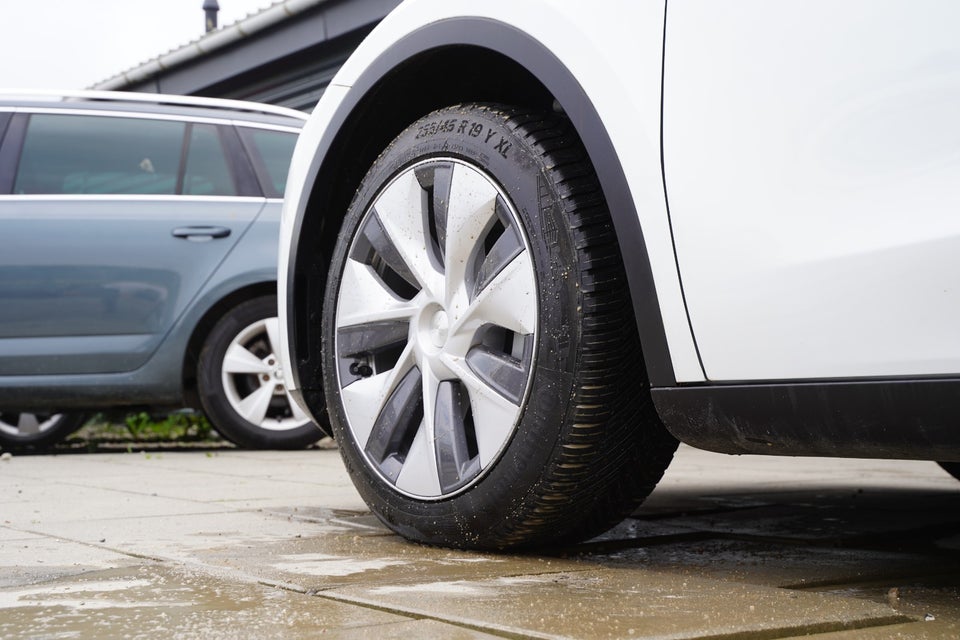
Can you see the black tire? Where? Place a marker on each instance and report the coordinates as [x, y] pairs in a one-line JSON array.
[[24, 430], [224, 387], [586, 445], [953, 468]]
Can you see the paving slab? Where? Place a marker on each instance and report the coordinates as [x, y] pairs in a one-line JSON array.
[[40, 505], [159, 601], [934, 604], [227, 476], [242, 544], [618, 604], [31, 559]]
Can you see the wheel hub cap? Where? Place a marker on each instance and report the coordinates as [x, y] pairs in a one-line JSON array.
[[439, 325], [435, 328]]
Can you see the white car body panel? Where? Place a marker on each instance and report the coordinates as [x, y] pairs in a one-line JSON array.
[[812, 153]]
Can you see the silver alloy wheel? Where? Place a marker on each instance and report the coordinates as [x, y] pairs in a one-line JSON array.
[[21, 425], [253, 380], [436, 322]]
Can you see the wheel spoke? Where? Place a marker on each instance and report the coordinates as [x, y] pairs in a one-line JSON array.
[[364, 398], [509, 301], [374, 247], [366, 349], [238, 359], [254, 407], [28, 424], [507, 247], [419, 474], [493, 415], [400, 209], [272, 325], [370, 338], [472, 209], [365, 298], [501, 372], [398, 422], [456, 440], [435, 180]]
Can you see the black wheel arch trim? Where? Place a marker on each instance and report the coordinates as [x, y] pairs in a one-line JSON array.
[[563, 85]]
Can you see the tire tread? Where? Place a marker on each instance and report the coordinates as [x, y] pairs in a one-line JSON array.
[[579, 496]]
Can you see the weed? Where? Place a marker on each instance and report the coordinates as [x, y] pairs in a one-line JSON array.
[[175, 426], [114, 429]]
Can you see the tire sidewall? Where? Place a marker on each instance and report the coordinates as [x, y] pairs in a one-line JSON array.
[[480, 137]]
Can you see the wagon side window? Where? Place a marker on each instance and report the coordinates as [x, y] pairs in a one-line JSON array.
[[87, 154]]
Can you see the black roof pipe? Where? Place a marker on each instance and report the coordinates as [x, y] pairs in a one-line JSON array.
[[210, 9]]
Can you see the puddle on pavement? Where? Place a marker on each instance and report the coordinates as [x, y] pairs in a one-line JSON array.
[[156, 600], [779, 565], [319, 564], [841, 516]]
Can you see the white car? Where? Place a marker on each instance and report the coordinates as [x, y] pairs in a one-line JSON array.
[[528, 246]]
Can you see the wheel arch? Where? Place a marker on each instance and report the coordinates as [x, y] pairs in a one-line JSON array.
[[441, 64], [203, 327]]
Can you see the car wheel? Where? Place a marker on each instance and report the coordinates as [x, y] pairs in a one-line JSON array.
[[483, 370], [36, 430], [953, 468], [241, 382]]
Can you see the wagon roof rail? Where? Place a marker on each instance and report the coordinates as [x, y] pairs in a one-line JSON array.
[[152, 98]]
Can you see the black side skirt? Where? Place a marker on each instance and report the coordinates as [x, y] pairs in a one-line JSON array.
[[909, 419]]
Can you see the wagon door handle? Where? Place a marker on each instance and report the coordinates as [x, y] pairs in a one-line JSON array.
[[200, 233]]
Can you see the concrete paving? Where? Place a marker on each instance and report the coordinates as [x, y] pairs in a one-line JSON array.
[[238, 544]]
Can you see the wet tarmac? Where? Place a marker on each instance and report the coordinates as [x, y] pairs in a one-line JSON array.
[[236, 544]]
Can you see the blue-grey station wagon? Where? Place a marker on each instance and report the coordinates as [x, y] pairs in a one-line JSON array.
[[138, 252]]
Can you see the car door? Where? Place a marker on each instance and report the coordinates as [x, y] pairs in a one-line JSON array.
[[110, 226], [812, 165]]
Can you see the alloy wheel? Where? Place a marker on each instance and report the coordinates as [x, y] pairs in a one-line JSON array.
[[20, 425], [253, 379]]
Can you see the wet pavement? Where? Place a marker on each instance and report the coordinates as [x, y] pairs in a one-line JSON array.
[[239, 544]]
